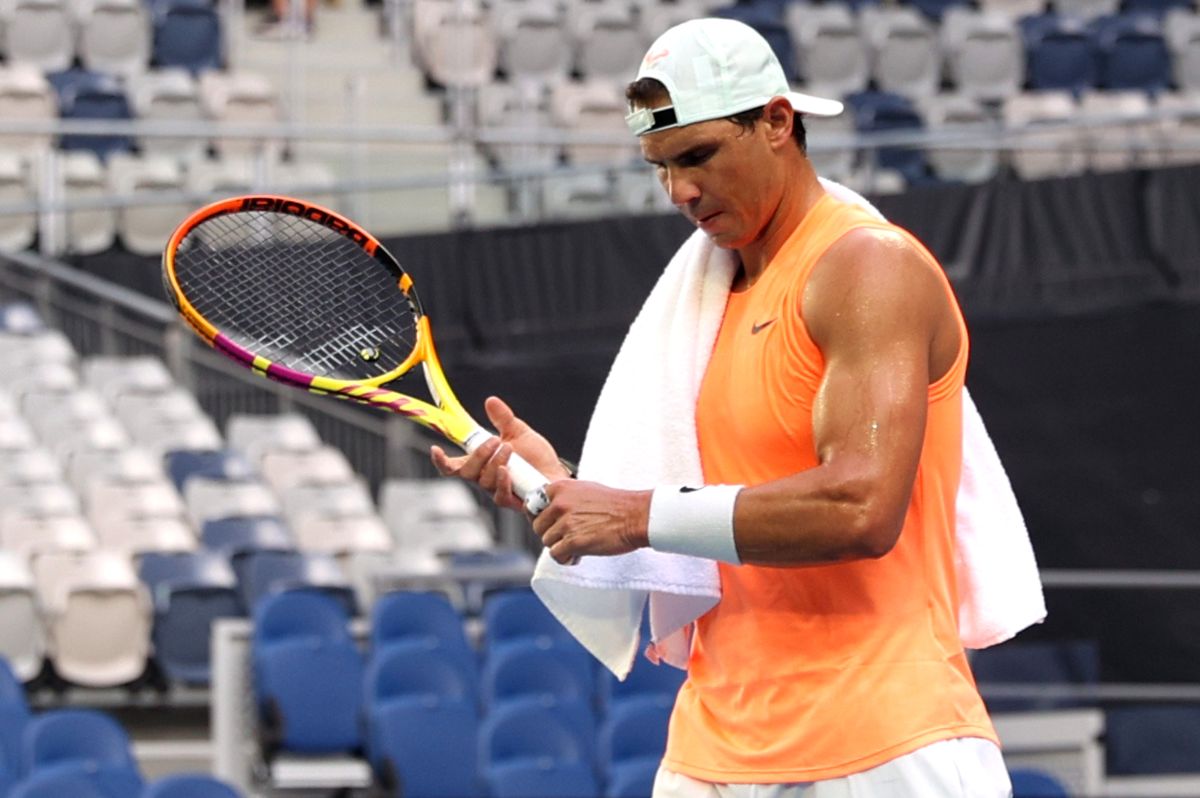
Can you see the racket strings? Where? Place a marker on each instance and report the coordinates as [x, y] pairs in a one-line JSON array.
[[297, 293]]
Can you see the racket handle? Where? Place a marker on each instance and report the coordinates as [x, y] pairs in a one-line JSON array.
[[528, 483]]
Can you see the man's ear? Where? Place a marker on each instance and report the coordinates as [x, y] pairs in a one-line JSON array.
[[778, 117]]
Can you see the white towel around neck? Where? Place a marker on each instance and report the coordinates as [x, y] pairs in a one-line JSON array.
[[643, 434]]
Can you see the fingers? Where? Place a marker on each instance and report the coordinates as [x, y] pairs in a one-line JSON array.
[[502, 417]]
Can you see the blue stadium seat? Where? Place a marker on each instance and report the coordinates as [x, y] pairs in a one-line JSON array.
[[187, 34], [1132, 53], [14, 717], [419, 668], [424, 748], [1033, 783], [1067, 663], [634, 780], [402, 616], [307, 674], [84, 94], [1157, 6], [189, 785], [645, 679], [1152, 739], [183, 464], [268, 572], [1060, 53], [189, 590], [632, 739], [231, 536], [81, 741], [59, 784], [539, 669], [299, 614], [934, 9], [416, 670], [529, 751], [881, 112], [766, 17], [518, 615]]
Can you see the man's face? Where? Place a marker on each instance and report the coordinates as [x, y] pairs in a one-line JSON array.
[[719, 175]]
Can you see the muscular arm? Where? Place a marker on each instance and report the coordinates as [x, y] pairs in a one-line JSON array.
[[883, 324], [885, 328]]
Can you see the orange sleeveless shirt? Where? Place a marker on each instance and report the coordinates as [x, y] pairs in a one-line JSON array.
[[805, 674]]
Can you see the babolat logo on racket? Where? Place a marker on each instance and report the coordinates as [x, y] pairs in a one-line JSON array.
[[312, 213]]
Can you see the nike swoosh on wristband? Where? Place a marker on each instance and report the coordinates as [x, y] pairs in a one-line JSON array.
[[757, 328]]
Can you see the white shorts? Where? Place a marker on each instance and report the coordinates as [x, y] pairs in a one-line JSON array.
[[966, 767]]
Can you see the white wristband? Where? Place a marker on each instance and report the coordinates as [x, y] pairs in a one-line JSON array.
[[694, 521]]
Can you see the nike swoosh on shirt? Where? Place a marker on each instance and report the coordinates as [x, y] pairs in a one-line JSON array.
[[757, 328]]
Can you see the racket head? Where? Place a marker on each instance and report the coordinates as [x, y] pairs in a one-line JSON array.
[[303, 295]]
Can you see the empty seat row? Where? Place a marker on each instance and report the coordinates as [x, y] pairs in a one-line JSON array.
[[119, 36], [420, 691], [82, 753]]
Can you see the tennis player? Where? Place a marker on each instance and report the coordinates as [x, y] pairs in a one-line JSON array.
[[830, 433]]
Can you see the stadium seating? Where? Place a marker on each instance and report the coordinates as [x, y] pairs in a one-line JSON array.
[[905, 55], [606, 39], [534, 44], [85, 741], [92, 230], [213, 498], [86, 94], [308, 674], [645, 681], [97, 615], [184, 464], [632, 739], [26, 94], [404, 616], [144, 229], [1044, 119], [424, 748], [168, 95], [190, 591], [518, 616], [1061, 53], [834, 55], [186, 34], [56, 784], [1033, 783], [1152, 739], [984, 54], [545, 674], [189, 785], [22, 632], [1067, 664], [14, 716], [1132, 53], [265, 573], [114, 37], [967, 118], [39, 33], [17, 231], [530, 751], [879, 112], [417, 671]]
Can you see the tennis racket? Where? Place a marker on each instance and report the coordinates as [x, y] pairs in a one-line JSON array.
[[302, 295]]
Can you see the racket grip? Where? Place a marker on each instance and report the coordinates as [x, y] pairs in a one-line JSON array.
[[528, 483]]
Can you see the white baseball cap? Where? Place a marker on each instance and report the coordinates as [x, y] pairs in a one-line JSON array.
[[714, 68]]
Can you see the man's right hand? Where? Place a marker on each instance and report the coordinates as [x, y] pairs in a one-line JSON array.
[[486, 465]]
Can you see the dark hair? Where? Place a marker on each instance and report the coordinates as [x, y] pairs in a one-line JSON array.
[[645, 92]]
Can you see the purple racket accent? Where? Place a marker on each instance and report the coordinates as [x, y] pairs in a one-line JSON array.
[[235, 351], [285, 374]]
